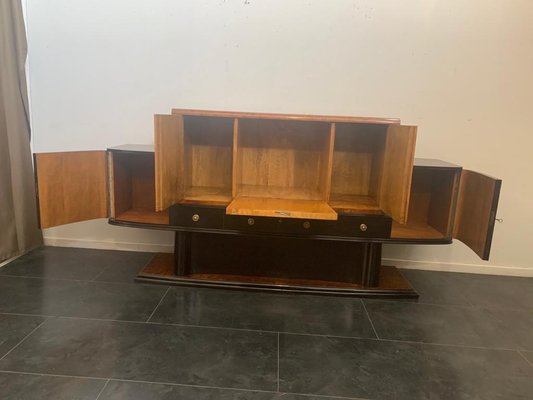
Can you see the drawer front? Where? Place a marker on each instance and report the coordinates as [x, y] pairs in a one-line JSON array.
[[252, 224], [190, 216], [364, 226]]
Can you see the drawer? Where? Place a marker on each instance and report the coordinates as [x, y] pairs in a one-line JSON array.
[[252, 224], [191, 216], [364, 226]]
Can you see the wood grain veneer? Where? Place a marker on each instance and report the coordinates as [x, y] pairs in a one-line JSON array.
[[476, 211], [397, 171], [281, 208], [288, 117], [72, 187], [169, 167]]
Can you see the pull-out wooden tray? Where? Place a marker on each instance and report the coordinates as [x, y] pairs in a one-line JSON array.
[[281, 208]]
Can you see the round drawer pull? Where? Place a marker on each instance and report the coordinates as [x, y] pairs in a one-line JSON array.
[[363, 227], [251, 221], [196, 218], [307, 224]]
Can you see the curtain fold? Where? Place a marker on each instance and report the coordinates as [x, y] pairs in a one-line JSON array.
[[19, 230]]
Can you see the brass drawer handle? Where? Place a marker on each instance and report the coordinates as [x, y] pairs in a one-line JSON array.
[[251, 221], [196, 218], [363, 227], [307, 224]]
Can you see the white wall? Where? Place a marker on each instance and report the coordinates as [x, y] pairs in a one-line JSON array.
[[460, 70]]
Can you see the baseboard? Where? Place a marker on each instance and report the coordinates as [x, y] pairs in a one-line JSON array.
[[458, 267], [407, 264], [108, 245]]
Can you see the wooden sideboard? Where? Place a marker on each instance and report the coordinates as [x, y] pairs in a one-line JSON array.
[[274, 201]]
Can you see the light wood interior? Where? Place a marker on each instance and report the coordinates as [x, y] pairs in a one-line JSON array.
[[397, 171], [71, 187], [283, 156], [281, 208], [282, 168], [208, 159], [226, 156], [357, 167], [132, 179], [432, 198], [169, 172]]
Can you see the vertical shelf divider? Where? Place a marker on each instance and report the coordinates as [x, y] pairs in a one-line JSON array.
[[235, 160]]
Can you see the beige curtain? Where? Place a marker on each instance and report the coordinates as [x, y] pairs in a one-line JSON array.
[[19, 231]]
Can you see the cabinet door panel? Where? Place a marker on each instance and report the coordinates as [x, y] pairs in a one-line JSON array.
[[397, 171], [169, 144], [71, 187], [475, 215]]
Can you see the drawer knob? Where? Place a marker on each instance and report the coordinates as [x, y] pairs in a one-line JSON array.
[[307, 224], [251, 221], [363, 227], [196, 218]]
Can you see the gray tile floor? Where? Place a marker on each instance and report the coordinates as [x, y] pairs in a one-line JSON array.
[[73, 325]]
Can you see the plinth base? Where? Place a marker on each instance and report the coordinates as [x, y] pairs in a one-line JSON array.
[[391, 283]]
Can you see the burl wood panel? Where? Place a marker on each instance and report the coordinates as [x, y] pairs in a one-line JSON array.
[[475, 216], [72, 187], [397, 172], [169, 173], [281, 208]]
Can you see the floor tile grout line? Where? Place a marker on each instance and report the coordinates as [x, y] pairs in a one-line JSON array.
[[524, 357], [278, 364], [132, 283], [324, 335], [175, 384], [23, 339], [100, 273], [158, 304], [370, 319], [102, 390]]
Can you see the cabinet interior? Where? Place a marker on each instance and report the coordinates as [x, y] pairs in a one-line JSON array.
[[433, 194], [133, 188], [283, 167], [207, 158], [357, 167]]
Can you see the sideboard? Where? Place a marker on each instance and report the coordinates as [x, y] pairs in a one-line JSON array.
[[262, 201]]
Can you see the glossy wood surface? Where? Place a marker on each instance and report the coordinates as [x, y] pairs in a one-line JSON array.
[[395, 185], [476, 211], [71, 186], [391, 282], [281, 208], [144, 216], [208, 155], [294, 117], [169, 155]]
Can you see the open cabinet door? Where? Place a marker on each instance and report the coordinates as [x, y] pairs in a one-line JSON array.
[[169, 160], [397, 171], [475, 215], [71, 187]]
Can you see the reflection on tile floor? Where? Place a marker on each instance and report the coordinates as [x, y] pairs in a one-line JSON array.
[[74, 325]]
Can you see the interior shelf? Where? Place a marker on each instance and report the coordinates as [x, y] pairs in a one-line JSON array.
[[144, 216], [280, 192], [354, 204], [415, 231], [306, 168], [207, 195]]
